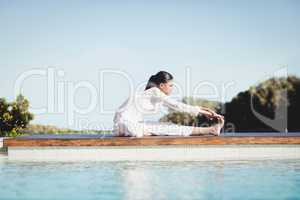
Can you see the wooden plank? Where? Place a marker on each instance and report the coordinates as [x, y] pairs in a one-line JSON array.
[[152, 140]]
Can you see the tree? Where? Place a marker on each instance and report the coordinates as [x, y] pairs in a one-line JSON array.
[[264, 98], [14, 116]]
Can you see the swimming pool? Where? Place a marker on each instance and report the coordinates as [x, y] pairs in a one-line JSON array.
[[264, 179]]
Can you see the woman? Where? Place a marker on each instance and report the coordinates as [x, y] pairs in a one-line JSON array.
[[128, 119]]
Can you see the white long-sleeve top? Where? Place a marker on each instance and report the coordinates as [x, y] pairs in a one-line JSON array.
[[133, 110]]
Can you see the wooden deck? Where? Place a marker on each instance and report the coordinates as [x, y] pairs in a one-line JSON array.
[[97, 140]]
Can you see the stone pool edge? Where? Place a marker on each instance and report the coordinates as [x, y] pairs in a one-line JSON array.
[[155, 153]]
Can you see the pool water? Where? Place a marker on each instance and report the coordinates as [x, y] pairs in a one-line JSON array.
[[269, 179]]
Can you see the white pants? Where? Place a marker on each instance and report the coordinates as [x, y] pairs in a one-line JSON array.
[[140, 129]]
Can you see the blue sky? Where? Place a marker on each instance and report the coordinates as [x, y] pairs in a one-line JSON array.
[[214, 41]]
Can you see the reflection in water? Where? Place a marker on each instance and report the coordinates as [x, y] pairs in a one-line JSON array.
[[138, 183], [160, 182]]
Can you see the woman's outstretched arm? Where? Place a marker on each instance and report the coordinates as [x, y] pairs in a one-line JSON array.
[[177, 105]]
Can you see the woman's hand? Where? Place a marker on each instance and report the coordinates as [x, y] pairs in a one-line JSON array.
[[210, 113], [207, 112]]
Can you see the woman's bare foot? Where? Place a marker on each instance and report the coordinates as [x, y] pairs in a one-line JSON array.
[[216, 129]]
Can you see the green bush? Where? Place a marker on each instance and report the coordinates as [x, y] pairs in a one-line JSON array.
[[14, 116]]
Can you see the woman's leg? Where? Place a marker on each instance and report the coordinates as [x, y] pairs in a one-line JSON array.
[[205, 131], [202, 131], [214, 130], [160, 128], [140, 129], [165, 128]]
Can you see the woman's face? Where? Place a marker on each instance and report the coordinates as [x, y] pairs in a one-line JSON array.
[[166, 87]]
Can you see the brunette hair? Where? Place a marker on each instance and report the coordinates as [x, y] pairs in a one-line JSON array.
[[158, 78]]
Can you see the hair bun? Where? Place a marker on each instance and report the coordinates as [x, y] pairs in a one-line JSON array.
[[156, 79]]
